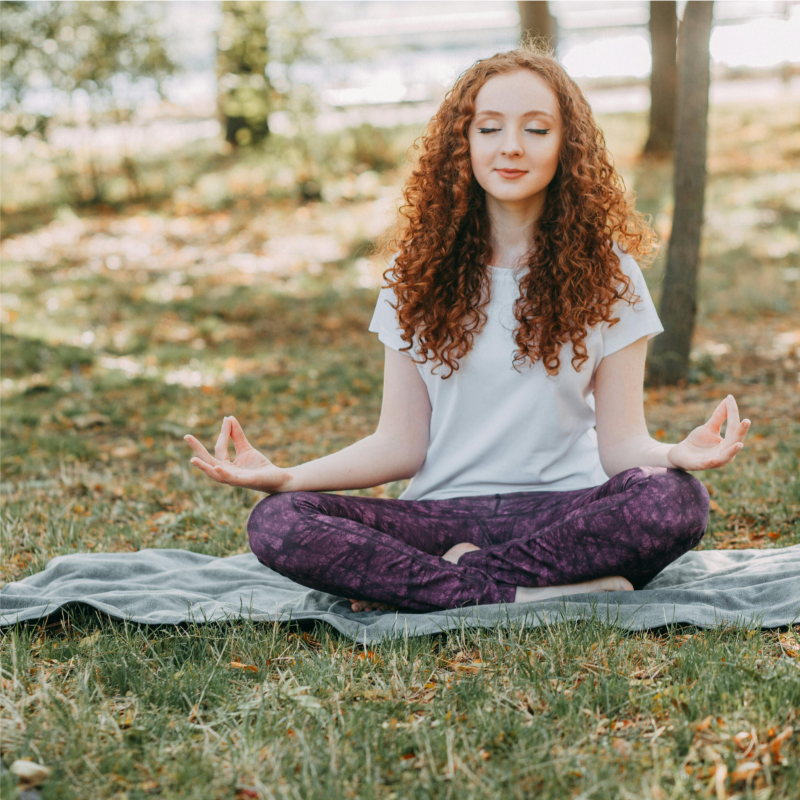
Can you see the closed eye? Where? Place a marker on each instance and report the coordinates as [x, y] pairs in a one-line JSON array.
[[528, 130]]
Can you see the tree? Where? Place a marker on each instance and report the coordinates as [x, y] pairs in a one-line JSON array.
[[244, 93], [663, 77], [669, 361], [536, 22], [50, 51]]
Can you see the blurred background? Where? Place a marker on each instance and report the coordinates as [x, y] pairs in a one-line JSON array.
[[190, 192]]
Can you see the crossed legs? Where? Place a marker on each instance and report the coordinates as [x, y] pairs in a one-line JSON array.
[[391, 551]]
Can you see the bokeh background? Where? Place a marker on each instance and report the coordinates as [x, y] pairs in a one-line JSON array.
[[190, 194]]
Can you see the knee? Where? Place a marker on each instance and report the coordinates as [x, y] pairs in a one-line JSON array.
[[684, 503], [268, 523]]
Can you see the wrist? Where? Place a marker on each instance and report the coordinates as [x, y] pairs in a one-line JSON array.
[[288, 483]]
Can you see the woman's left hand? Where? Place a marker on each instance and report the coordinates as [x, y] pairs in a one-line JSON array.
[[704, 448]]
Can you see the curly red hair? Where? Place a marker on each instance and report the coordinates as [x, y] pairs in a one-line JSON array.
[[441, 238]]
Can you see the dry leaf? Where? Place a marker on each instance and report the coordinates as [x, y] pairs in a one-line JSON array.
[[703, 724], [745, 771], [248, 667], [625, 749], [370, 656], [743, 740], [83, 421], [775, 745], [790, 645], [29, 772], [720, 773]]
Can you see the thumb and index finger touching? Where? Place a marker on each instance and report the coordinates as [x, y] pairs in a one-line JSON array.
[[727, 409], [231, 431]]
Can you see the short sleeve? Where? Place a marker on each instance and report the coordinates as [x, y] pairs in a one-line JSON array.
[[384, 318], [635, 321]]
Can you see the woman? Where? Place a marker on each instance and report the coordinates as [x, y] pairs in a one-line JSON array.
[[515, 321]]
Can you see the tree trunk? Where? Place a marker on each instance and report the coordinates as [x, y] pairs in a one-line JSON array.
[[244, 93], [663, 77], [669, 361], [536, 21]]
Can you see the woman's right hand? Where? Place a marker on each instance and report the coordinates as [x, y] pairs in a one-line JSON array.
[[249, 468]]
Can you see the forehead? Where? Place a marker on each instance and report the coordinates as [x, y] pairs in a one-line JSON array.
[[515, 93]]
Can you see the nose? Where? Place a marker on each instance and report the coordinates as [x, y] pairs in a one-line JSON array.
[[511, 143]]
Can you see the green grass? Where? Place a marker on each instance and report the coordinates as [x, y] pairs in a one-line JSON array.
[[93, 460], [583, 709]]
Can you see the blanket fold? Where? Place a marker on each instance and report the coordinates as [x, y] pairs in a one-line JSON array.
[[708, 588]]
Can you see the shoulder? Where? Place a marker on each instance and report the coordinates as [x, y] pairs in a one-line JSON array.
[[627, 262]]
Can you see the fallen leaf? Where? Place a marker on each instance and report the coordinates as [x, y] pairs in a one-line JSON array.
[[775, 745], [30, 772], [625, 749], [125, 451], [703, 724], [248, 667], [246, 794], [715, 506], [87, 641], [743, 740], [745, 771], [790, 645], [720, 773], [90, 420], [370, 656]]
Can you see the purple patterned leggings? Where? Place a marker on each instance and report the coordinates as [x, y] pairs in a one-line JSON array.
[[389, 551]]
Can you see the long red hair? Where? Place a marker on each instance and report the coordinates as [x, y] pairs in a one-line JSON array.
[[441, 236]]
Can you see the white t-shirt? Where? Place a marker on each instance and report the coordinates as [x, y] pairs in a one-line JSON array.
[[495, 430]]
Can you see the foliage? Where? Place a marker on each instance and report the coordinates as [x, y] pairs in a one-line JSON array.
[[124, 330], [54, 51]]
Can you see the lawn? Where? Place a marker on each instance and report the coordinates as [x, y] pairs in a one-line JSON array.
[[124, 328]]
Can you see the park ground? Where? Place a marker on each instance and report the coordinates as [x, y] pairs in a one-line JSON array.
[[127, 326]]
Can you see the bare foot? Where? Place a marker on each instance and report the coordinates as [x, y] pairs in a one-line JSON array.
[[613, 583], [369, 605], [458, 550]]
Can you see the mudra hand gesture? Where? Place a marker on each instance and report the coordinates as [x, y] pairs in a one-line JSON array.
[[704, 448], [249, 468]]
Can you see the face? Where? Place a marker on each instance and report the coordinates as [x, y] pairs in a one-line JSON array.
[[515, 137]]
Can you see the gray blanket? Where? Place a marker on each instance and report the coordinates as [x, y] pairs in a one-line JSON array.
[[707, 588]]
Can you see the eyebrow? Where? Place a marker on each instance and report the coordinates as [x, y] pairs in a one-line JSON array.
[[535, 113]]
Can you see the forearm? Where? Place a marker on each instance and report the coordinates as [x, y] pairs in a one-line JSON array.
[[371, 461], [634, 451]]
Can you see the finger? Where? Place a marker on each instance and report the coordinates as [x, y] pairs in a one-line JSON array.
[[209, 469], [740, 432], [199, 449], [221, 447], [718, 417], [733, 416], [234, 476], [724, 456], [237, 434], [729, 453]]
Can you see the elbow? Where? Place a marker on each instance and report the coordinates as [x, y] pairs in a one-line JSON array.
[[415, 465]]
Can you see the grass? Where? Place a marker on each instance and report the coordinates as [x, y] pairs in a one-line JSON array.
[[122, 331]]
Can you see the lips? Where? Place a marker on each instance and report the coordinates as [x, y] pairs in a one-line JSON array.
[[511, 173]]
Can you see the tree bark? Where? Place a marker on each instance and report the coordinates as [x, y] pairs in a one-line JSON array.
[[669, 361], [536, 21], [663, 77]]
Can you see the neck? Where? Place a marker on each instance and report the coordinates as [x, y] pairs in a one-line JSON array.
[[513, 226]]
